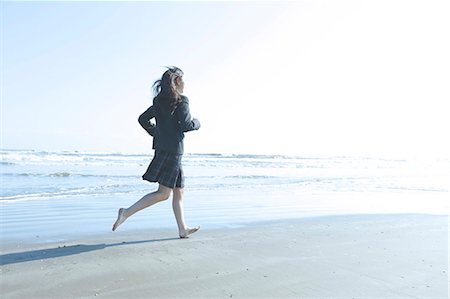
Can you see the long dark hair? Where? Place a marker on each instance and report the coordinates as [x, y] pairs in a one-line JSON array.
[[166, 86]]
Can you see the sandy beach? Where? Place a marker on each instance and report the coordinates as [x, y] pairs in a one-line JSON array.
[[358, 256]]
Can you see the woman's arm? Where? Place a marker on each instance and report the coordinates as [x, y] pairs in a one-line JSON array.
[[144, 120], [184, 117]]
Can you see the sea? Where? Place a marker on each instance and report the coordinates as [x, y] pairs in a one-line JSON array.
[[51, 196]]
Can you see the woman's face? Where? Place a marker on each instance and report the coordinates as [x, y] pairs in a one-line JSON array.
[[180, 84]]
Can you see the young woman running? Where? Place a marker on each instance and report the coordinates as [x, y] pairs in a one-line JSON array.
[[171, 110]]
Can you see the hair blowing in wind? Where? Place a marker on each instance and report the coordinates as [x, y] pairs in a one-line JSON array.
[[166, 87]]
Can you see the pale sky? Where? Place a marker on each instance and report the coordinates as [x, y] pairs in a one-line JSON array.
[[308, 78]]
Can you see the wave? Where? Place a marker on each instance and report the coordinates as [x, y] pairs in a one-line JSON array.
[[25, 158], [32, 156], [80, 158], [50, 174], [249, 156], [112, 189], [252, 177], [67, 174], [29, 157], [59, 174]]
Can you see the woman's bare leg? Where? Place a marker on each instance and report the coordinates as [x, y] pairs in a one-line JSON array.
[[177, 205], [148, 200]]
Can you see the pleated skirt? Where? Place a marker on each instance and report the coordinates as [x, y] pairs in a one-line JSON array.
[[165, 169]]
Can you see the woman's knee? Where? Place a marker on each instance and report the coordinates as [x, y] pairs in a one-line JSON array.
[[164, 192], [178, 193]]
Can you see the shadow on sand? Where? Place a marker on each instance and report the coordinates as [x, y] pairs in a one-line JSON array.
[[42, 254]]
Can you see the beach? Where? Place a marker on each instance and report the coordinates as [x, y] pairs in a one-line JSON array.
[[357, 256], [271, 227]]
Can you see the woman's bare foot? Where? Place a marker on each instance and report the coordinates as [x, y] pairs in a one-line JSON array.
[[120, 219], [189, 231]]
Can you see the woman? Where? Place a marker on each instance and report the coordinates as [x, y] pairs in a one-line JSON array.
[[171, 110]]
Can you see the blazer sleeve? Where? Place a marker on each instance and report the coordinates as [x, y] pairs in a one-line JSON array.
[[144, 120], [185, 120]]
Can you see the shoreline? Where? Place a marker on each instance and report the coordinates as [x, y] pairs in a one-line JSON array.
[[170, 230], [382, 255], [45, 221]]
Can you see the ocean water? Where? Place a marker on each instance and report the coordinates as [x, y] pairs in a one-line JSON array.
[[57, 195]]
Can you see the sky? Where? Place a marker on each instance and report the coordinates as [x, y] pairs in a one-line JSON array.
[[306, 78]]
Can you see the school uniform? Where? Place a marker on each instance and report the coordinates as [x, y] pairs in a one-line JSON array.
[[168, 134]]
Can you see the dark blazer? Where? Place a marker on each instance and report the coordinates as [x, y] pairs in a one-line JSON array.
[[168, 133]]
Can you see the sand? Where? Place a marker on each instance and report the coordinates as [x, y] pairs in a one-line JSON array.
[[359, 256]]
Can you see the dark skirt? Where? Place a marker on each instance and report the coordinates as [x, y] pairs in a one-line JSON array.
[[165, 169]]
